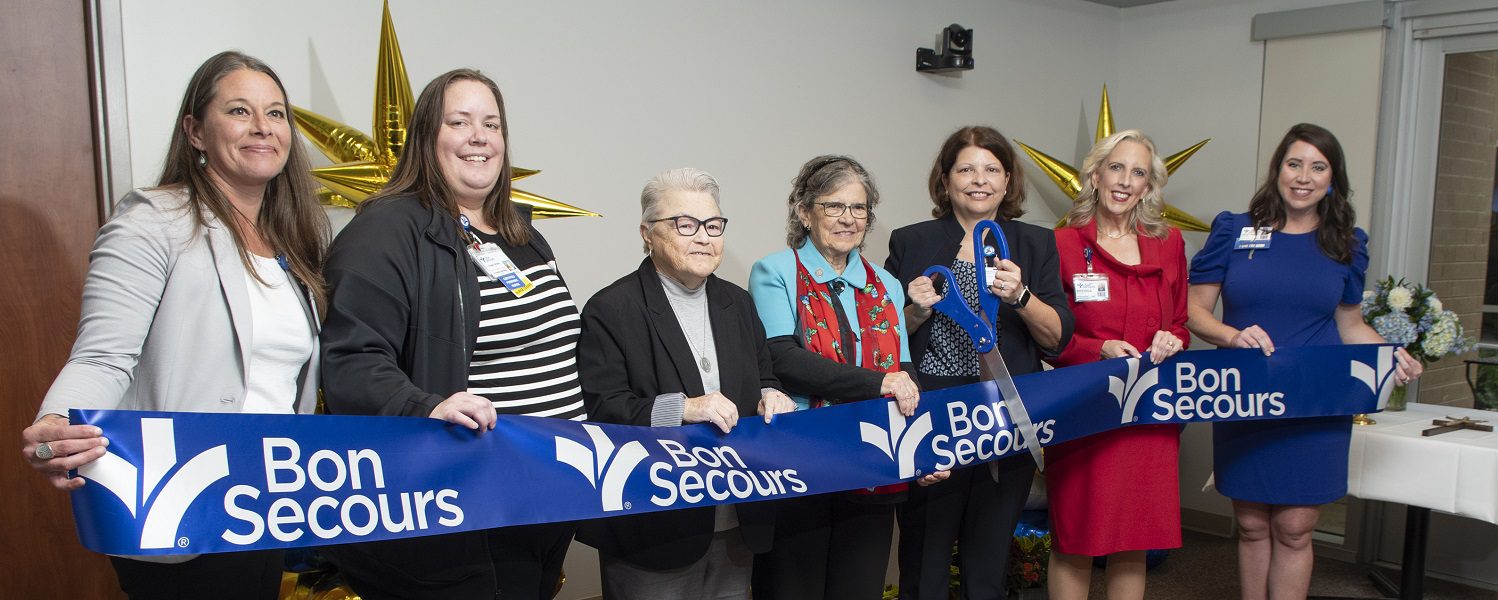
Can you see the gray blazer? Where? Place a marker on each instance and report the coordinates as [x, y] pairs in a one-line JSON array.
[[166, 317]]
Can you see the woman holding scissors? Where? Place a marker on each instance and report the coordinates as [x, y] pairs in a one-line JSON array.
[[975, 177]]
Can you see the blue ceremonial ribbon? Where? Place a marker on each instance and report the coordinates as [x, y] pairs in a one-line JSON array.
[[175, 483]]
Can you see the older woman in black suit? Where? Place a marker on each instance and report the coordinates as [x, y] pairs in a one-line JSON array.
[[667, 345], [975, 177]]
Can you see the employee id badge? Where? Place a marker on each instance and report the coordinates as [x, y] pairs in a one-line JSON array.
[[992, 271], [493, 262], [1253, 238], [1090, 287]]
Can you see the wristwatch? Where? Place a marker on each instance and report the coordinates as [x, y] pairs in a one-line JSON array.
[[1024, 298]]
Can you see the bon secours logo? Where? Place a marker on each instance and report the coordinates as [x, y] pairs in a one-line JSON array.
[[1377, 377], [602, 464], [899, 442], [1127, 391], [983, 431], [684, 475], [1205, 394], [338, 510], [134, 486]]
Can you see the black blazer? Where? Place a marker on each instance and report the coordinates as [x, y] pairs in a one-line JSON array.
[[632, 350], [913, 248], [403, 314]]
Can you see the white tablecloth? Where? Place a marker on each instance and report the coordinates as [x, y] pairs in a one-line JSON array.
[[1454, 472]]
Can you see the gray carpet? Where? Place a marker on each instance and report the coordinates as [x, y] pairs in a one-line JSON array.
[[1206, 567]]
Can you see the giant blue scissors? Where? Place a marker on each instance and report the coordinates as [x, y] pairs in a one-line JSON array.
[[982, 327]]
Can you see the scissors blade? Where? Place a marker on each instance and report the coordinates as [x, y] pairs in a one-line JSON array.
[[996, 370]]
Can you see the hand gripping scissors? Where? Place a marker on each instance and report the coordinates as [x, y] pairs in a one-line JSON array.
[[981, 327]]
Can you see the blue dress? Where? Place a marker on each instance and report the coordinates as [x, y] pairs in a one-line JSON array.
[[1292, 291]]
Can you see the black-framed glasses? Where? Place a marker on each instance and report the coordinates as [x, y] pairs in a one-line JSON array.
[[687, 225], [836, 209]]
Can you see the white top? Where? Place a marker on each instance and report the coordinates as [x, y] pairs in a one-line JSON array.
[[281, 341]]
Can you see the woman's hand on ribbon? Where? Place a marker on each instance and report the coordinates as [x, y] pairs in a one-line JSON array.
[[71, 446], [1165, 345], [1118, 348], [1253, 336], [933, 478], [712, 408], [903, 388], [469, 410], [772, 402], [1406, 368]]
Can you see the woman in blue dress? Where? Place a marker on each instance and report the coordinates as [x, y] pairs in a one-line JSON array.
[[1303, 289]]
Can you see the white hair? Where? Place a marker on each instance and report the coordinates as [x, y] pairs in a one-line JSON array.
[[685, 179]]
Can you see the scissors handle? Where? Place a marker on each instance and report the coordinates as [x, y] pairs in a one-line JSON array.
[[954, 307], [987, 300]]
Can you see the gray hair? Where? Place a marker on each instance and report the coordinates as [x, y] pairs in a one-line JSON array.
[[682, 179], [819, 177]]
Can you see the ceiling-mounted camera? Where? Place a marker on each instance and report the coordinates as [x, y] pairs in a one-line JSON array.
[[954, 52]]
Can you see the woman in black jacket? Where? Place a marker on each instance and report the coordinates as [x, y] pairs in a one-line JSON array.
[[667, 345], [975, 177], [446, 303]]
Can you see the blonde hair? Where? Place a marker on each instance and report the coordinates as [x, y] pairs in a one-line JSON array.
[[1149, 213]]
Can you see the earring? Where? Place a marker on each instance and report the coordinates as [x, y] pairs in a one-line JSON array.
[[202, 159]]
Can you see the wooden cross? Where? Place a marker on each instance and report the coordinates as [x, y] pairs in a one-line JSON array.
[[1450, 424]]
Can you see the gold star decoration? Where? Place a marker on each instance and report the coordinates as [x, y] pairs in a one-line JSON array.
[[364, 162], [1067, 178]]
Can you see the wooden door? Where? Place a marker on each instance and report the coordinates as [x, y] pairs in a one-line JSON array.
[[49, 212]]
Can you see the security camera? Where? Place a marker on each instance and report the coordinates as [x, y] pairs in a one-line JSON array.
[[954, 52]]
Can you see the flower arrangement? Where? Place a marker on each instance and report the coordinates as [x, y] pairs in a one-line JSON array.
[[1409, 314], [1029, 552]]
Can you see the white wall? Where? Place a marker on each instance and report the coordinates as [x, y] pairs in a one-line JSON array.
[[603, 95], [1344, 100]]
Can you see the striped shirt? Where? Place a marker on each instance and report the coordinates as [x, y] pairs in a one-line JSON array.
[[525, 358]]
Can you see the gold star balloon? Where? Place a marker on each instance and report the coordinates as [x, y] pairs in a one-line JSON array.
[[1068, 179], [364, 162]]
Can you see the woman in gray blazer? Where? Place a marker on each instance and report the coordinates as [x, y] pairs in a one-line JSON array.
[[201, 297]]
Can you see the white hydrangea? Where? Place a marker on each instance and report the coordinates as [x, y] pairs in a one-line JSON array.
[[1441, 336], [1434, 303], [1400, 298]]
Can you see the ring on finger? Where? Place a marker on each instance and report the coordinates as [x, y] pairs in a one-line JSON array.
[[44, 451]]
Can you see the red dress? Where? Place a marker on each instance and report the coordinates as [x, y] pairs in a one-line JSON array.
[[1117, 491]]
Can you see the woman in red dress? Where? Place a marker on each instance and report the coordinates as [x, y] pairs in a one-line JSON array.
[[1114, 494]]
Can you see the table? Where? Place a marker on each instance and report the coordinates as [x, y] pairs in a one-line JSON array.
[[1454, 472]]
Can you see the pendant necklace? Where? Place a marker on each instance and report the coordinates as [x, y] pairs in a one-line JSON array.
[[702, 361]]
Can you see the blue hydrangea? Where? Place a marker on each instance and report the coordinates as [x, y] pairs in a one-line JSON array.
[[1396, 328]]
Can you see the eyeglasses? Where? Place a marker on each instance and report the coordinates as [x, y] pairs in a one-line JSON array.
[[836, 209], [687, 225]]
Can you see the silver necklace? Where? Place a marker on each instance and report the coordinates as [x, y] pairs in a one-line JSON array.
[[702, 361], [1111, 236]]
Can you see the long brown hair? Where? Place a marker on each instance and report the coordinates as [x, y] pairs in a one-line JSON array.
[[419, 174], [1338, 219], [987, 138], [290, 218]]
